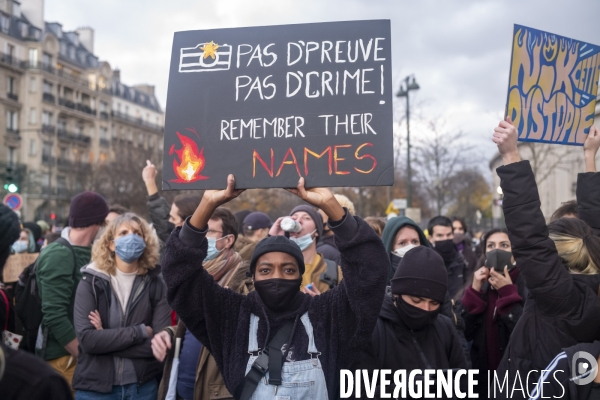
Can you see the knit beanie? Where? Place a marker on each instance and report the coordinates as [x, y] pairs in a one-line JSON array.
[[35, 229], [277, 244], [421, 273], [9, 232], [316, 217], [87, 208]]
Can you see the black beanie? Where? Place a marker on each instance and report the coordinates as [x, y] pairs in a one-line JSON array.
[[313, 214], [9, 232], [421, 273], [34, 228], [279, 244], [87, 209]]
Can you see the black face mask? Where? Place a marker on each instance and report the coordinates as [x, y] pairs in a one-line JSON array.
[[415, 318], [170, 227], [498, 259], [278, 294], [446, 249]]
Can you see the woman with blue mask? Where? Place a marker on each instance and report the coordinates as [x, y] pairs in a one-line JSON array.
[[25, 244], [120, 303], [310, 223]]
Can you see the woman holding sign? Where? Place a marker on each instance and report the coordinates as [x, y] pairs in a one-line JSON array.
[[559, 264], [277, 341]]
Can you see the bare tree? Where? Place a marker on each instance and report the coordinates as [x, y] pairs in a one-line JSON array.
[[438, 156]]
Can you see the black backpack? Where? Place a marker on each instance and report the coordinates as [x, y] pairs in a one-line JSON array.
[[28, 304]]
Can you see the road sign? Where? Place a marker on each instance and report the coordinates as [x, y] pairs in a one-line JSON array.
[[414, 214], [399, 204], [14, 201]]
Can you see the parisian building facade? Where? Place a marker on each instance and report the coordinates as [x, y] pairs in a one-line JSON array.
[[64, 111]]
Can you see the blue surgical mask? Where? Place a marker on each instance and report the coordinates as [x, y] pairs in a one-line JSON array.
[[212, 251], [303, 241], [20, 246], [130, 247]]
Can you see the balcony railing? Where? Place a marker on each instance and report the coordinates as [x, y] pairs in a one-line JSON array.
[[12, 96], [12, 131], [48, 129], [85, 108], [103, 115], [137, 121], [47, 159], [75, 137], [64, 163], [104, 142], [66, 103], [48, 97], [7, 59]]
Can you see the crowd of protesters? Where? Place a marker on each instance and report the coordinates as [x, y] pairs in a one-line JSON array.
[[199, 303]]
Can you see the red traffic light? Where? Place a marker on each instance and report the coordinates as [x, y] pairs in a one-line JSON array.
[[53, 216]]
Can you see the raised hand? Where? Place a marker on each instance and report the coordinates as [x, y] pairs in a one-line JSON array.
[[480, 276], [498, 280], [590, 149], [213, 199], [149, 177], [505, 136], [321, 198]]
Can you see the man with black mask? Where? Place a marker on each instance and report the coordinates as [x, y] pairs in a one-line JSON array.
[[410, 332], [277, 328], [441, 235]]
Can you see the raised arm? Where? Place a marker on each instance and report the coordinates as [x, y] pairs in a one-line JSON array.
[[348, 312], [535, 253], [191, 291], [158, 208], [588, 183]]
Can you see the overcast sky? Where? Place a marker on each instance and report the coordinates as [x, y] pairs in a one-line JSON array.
[[459, 50]]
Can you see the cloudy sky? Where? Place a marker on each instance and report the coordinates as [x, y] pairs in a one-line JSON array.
[[459, 50]]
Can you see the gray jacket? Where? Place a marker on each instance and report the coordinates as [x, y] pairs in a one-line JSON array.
[[120, 353]]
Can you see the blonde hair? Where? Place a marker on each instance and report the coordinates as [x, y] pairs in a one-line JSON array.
[[345, 202], [574, 253], [104, 257]]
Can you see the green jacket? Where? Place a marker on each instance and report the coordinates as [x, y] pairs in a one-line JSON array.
[[57, 278]]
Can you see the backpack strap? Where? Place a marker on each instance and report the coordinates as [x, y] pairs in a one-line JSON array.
[[330, 276]]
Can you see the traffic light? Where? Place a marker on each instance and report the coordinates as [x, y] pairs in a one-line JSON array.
[[52, 216], [9, 184]]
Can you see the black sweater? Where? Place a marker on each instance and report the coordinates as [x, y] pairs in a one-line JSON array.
[[342, 318], [562, 309]]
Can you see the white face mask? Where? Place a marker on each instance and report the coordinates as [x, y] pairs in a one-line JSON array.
[[403, 250], [304, 241]]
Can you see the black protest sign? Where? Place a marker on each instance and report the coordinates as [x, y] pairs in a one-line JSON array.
[[272, 104]]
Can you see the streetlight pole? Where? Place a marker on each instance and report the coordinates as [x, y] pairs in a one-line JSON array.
[[404, 92]]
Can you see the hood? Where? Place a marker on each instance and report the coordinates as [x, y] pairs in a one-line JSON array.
[[92, 269], [394, 225]]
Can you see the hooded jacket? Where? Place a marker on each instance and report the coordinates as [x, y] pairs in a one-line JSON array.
[[557, 380], [389, 234], [394, 346], [343, 318], [562, 309], [124, 341]]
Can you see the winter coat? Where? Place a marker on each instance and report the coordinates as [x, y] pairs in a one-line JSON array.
[[209, 381], [557, 382], [506, 311], [159, 210], [562, 309], [326, 247], [457, 278], [588, 199], [342, 318], [27, 377], [99, 348], [392, 345]]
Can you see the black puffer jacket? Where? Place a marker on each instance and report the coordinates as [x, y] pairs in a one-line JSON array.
[[588, 199], [394, 346], [561, 309], [343, 318]]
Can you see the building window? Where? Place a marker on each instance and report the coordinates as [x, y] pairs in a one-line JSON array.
[[32, 116], [47, 59], [103, 133], [32, 84], [141, 138], [63, 49], [47, 87], [62, 125], [33, 58], [32, 147], [46, 118], [126, 110], [80, 129], [12, 159], [10, 85], [4, 23], [24, 30], [64, 153], [72, 52], [12, 119]]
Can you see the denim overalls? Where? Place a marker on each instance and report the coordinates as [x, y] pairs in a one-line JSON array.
[[300, 379]]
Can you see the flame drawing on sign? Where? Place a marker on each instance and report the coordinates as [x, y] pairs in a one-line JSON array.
[[191, 161]]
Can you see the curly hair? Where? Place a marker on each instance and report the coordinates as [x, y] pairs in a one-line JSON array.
[[104, 257]]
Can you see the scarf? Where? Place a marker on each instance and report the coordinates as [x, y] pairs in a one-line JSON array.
[[223, 267]]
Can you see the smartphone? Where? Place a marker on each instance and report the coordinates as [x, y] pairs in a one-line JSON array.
[[309, 286]]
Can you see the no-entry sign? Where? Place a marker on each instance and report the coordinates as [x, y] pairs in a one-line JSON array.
[[14, 201], [276, 103]]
